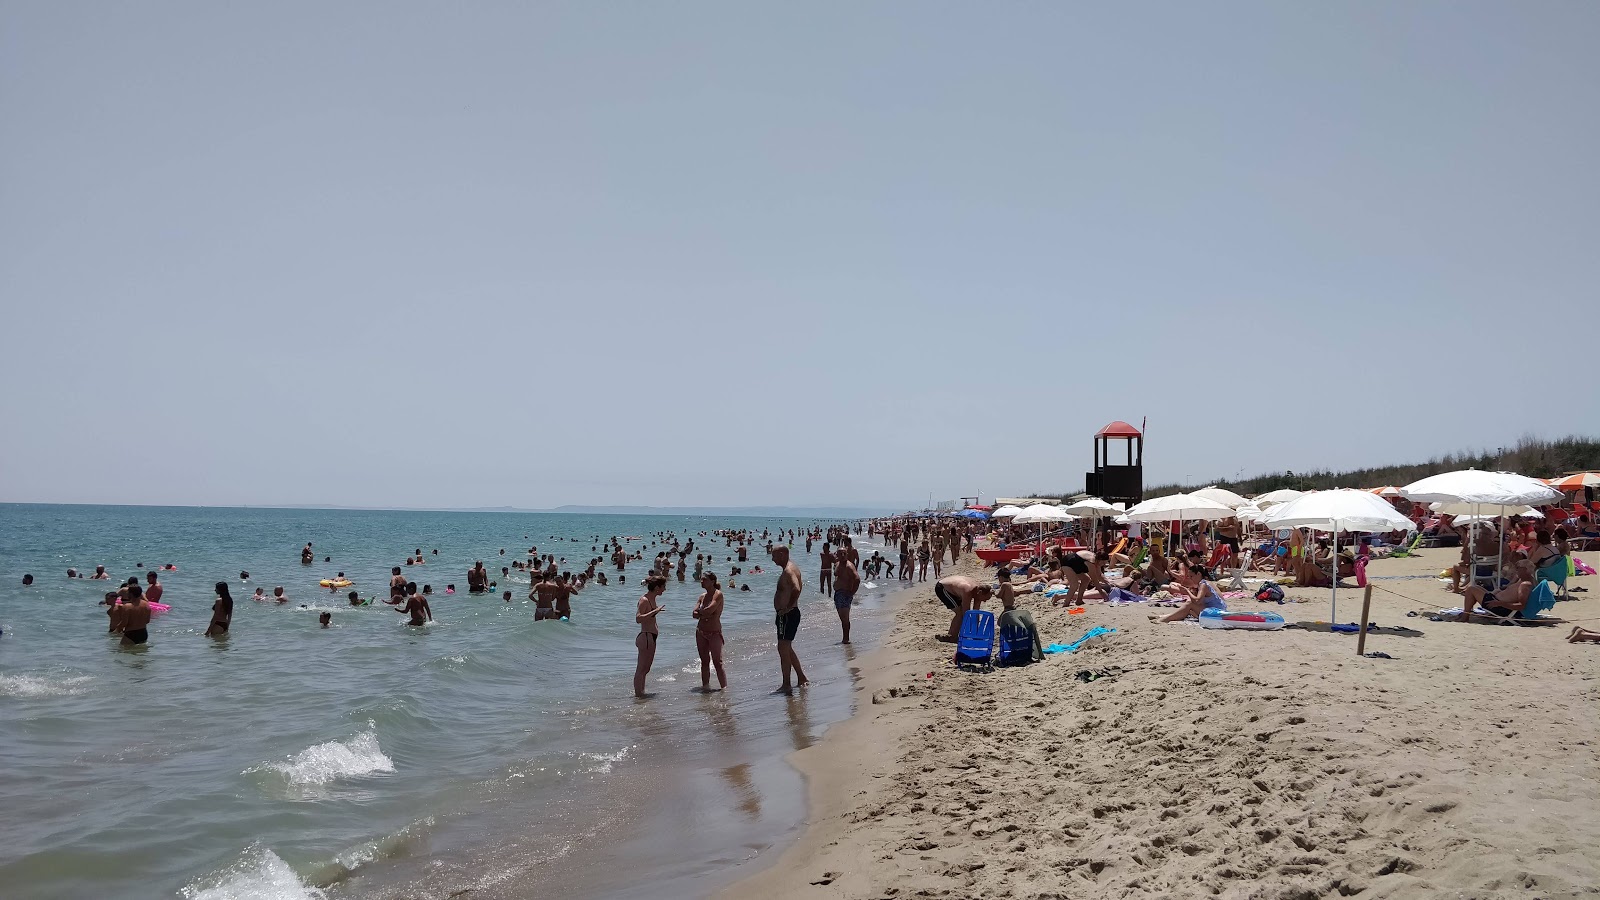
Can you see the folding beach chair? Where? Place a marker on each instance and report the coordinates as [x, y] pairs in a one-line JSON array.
[[975, 646], [1541, 599], [1016, 646], [1237, 584], [1409, 549]]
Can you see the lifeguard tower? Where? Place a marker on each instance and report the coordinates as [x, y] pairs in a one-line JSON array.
[[1122, 482]]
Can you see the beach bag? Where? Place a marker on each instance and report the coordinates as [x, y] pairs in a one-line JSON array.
[[1269, 593]]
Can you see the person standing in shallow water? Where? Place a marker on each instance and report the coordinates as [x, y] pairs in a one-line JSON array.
[[786, 605], [846, 581], [136, 617], [708, 632], [221, 612], [649, 632]]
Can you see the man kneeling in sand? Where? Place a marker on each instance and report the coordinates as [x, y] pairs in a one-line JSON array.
[[959, 593]]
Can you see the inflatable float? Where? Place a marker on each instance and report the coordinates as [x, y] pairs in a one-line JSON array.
[[1255, 621], [336, 582], [154, 607]]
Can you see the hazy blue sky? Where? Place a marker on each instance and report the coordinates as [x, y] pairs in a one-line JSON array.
[[531, 254]]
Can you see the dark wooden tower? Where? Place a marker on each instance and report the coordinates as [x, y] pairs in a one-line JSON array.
[[1122, 482]]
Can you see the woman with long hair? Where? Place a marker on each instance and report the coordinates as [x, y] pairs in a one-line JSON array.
[[221, 612]]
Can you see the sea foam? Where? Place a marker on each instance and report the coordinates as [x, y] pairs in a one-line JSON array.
[[259, 874], [322, 763], [43, 685]]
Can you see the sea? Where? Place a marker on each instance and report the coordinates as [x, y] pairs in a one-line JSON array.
[[483, 755]]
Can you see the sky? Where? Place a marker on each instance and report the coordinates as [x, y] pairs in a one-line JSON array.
[[511, 254]]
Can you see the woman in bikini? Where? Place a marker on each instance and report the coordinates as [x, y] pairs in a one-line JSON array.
[[649, 608]]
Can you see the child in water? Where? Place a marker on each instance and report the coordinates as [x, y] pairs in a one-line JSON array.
[[326, 619]]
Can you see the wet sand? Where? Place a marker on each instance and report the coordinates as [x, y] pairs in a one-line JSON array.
[[705, 788], [1216, 763]]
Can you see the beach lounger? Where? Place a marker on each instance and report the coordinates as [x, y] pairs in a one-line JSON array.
[[1541, 599], [1410, 548], [975, 646]]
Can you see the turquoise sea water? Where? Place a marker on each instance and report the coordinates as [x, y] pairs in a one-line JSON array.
[[486, 751]]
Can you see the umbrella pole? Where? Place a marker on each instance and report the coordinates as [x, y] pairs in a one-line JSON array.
[[1500, 558], [1333, 609]]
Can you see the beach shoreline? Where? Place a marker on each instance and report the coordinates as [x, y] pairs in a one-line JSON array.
[[1223, 763]]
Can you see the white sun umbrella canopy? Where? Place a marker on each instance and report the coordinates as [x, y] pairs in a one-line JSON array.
[[1095, 509], [1335, 511], [1281, 495], [1482, 511], [1222, 495], [1178, 506], [1485, 488], [1005, 512], [1482, 489], [1250, 513], [1039, 514]]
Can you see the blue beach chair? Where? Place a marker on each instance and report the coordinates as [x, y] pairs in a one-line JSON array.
[[975, 647], [1016, 646]]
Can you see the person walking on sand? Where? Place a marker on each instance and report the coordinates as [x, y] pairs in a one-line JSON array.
[[221, 612], [846, 581], [786, 603], [649, 608], [708, 632]]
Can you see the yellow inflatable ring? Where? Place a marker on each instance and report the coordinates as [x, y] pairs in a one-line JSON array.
[[336, 583]]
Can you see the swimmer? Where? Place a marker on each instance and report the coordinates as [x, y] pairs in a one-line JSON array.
[[221, 612], [279, 595], [244, 576], [72, 573], [27, 580], [416, 607], [260, 595], [427, 589], [99, 574], [153, 591], [355, 599], [306, 556], [135, 618], [170, 567], [508, 596], [449, 588], [326, 619]]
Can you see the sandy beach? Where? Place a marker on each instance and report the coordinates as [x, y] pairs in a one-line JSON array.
[[1215, 763]]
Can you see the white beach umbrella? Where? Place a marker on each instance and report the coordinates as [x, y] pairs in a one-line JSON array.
[[1481, 511], [1038, 514], [1005, 512], [1338, 510], [1343, 509], [1250, 513], [1178, 506], [1094, 509], [1483, 489], [1222, 495], [1281, 495]]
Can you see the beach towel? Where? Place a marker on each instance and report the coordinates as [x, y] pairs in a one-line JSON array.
[[1094, 632]]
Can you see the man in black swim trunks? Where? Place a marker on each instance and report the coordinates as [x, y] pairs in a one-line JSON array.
[[959, 593], [136, 617], [786, 604]]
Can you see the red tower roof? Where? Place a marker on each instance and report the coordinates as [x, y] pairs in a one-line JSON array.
[[1118, 429]]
